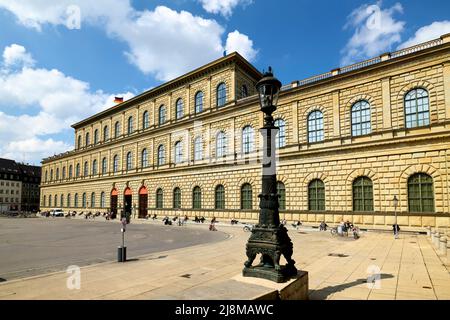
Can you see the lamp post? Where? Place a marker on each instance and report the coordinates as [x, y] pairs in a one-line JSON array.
[[395, 201], [269, 238]]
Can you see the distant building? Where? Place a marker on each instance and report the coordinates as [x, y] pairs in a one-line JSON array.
[[31, 180], [19, 186]]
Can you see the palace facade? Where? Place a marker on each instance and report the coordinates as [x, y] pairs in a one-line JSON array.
[[349, 141]]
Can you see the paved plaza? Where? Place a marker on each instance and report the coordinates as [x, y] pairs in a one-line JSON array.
[[338, 269], [34, 246]]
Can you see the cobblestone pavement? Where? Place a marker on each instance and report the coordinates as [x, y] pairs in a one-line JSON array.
[[338, 268]]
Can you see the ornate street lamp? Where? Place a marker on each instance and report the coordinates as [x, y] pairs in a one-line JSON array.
[[269, 238]]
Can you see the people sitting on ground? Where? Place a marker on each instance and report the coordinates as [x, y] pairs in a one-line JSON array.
[[297, 224], [174, 219], [234, 221], [154, 216], [202, 219], [323, 226], [167, 221]]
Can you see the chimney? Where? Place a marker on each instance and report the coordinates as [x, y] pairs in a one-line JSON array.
[[118, 100]]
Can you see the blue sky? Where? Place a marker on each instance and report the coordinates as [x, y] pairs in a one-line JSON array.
[[62, 61]]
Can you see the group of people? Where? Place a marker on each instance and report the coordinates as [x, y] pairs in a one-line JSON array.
[[199, 219]]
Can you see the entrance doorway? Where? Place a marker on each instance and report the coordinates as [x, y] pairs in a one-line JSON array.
[[143, 202], [127, 202], [114, 195]]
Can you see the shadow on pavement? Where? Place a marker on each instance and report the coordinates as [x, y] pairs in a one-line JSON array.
[[323, 293]]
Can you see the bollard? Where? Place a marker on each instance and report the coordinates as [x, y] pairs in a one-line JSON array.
[[448, 252], [428, 231], [436, 240], [443, 245]]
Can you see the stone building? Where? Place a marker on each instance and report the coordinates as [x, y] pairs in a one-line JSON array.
[[19, 186], [350, 140], [10, 186], [31, 182]]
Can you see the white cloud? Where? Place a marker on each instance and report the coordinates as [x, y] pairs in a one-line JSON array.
[[52, 102], [224, 7], [241, 43], [427, 33], [30, 150], [162, 42], [376, 31], [16, 55]]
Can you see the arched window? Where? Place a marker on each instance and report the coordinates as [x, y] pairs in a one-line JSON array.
[[361, 118], [417, 108], [93, 200], [179, 109], [281, 191], [57, 174], [199, 102], [221, 144], [221, 94], [117, 129], [116, 163], [51, 174], [96, 136], [104, 165], [420, 193], [198, 148], [50, 200], [219, 197], [162, 115], [280, 140], [244, 91], [83, 201], [177, 198], [75, 203], [79, 142], [94, 167], [44, 201], [64, 173], [70, 172], [46, 176], [159, 199], [102, 200], [61, 201], [130, 125], [247, 139], [86, 169], [77, 171], [145, 121], [105, 133], [362, 194], [88, 140], [56, 200], [316, 195], [197, 198], [178, 152], [129, 161], [144, 159], [161, 155], [246, 196], [69, 204], [315, 127]]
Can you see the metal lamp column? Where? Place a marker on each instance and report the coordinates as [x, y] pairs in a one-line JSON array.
[[269, 238]]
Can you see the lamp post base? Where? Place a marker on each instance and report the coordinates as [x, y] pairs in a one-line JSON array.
[[271, 243]]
